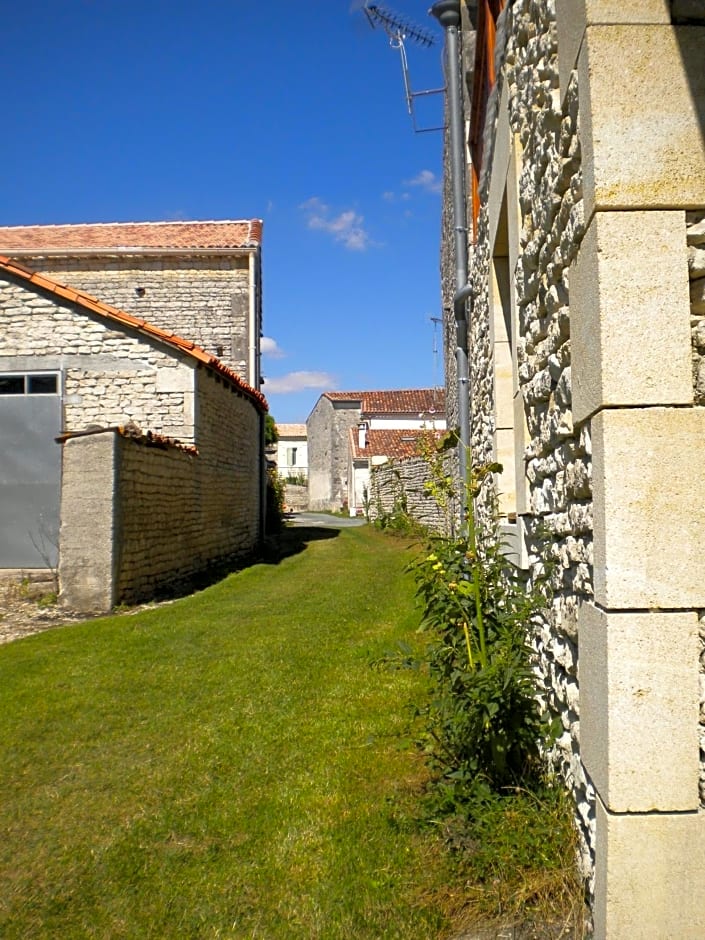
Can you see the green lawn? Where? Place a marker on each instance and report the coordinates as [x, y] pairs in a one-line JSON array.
[[229, 765]]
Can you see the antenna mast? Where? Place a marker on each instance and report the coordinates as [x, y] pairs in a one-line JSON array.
[[435, 321], [399, 29]]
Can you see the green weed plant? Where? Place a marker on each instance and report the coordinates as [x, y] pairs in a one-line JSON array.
[[484, 721], [483, 728]]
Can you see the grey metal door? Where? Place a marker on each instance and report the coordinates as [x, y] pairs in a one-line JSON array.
[[30, 470]]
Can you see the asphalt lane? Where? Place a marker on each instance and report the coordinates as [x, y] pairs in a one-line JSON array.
[[324, 520]]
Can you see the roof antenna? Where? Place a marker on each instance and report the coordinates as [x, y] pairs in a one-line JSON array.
[[399, 29], [435, 321]]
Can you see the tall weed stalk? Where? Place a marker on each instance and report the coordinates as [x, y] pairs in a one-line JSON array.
[[484, 727]]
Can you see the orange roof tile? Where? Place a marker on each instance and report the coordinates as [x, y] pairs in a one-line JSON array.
[[413, 401], [122, 236], [404, 401], [344, 396], [291, 430], [113, 314], [393, 443]]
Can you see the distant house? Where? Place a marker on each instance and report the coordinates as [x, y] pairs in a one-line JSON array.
[[292, 451], [349, 431], [160, 474]]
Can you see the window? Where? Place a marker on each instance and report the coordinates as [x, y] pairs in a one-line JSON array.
[[510, 436], [291, 456], [42, 384], [34, 383], [11, 385]]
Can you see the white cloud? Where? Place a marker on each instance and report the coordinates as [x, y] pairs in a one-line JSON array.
[[297, 382], [269, 348], [426, 180], [346, 227], [390, 196]]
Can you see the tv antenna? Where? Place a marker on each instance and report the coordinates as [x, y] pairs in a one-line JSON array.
[[398, 30], [435, 321]]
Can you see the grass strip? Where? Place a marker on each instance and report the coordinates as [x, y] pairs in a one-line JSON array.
[[228, 765]]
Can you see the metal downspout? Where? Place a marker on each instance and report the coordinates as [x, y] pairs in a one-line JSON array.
[[447, 12]]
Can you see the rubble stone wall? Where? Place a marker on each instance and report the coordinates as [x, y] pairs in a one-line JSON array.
[[110, 376], [557, 458], [404, 483], [204, 299]]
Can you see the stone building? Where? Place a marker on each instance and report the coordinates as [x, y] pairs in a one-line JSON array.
[[338, 466], [200, 280], [586, 214], [161, 473]]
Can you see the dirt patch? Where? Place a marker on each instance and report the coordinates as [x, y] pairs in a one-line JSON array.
[[28, 605]]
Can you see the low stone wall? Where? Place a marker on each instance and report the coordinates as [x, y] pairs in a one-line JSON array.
[[140, 521], [400, 483], [296, 497]]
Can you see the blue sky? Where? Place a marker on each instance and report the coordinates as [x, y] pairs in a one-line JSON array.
[[146, 110]]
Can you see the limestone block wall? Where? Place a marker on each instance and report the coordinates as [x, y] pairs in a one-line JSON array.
[[140, 521], [203, 298]]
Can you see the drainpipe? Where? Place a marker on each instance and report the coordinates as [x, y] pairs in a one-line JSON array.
[[447, 12], [252, 367]]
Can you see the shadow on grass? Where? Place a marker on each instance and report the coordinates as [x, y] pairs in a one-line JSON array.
[[292, 540]]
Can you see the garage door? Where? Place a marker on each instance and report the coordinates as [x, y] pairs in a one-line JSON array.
[[30, 469]]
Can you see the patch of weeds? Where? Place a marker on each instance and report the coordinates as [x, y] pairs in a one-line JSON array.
[[24, 589], [483, 729], [517, 851], [47, 600], [485, 726]]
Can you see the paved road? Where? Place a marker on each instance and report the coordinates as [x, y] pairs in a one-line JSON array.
[[323, 519]]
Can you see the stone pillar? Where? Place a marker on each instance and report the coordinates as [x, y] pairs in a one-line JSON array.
[[87, 551], [642, 113]]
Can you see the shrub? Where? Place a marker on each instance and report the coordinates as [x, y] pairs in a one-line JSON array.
[[484, 724], [276, 488]]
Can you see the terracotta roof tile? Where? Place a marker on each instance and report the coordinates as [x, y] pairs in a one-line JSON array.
[[404, 401], [394, 443], [412, 401], [123, 236], [120, 316], [291, 430], [344, 396]]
